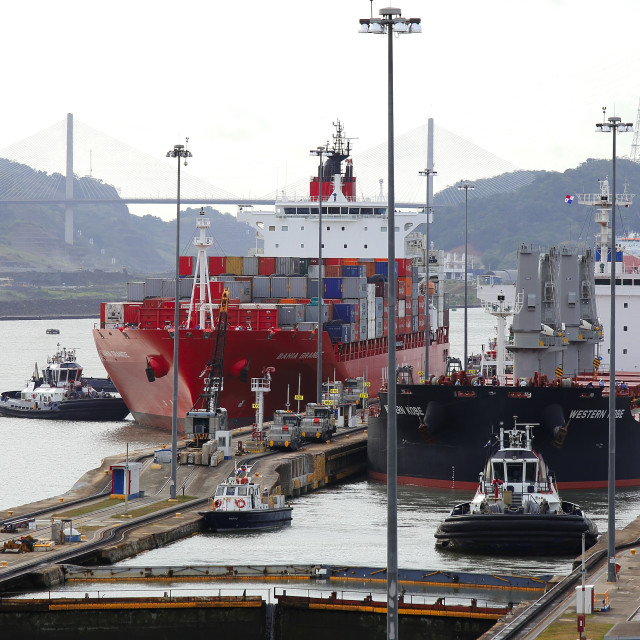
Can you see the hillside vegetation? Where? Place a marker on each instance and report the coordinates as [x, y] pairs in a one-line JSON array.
[[109, 237]]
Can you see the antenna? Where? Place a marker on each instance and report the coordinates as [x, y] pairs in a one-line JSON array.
[[635, 145]]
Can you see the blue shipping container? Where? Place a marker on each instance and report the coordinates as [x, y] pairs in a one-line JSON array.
[[346, 312], [333, 288]]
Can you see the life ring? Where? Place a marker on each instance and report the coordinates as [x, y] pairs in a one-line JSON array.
[[240, 503], [217, 504]]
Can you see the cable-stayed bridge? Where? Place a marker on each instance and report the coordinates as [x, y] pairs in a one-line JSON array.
[[76, 164]]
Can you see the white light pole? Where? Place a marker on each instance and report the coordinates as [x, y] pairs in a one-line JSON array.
[[614, 125], [466, 185], [179, 151], [429, 173], [320, 152], [391, 23]]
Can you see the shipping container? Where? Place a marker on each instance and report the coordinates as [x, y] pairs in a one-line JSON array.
[[280, 286], [332, 271], [346, 312], [169, 288], [266, 266], [153, 287], [185, 265], [234, 265], [290, 314], [354, 287], [250, 266], [262, 287], [239, 291], [422, 322], [311, 313], [217, 265], [304, 266], [346, 333], [298, 287], [379, 328], [401, 308], [379, 307], [135, 291], [333, 288], [307, 326]]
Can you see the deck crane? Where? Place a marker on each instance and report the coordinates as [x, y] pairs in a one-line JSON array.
[[206, 417]]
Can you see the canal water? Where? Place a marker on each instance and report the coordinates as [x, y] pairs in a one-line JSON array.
[[344, 525]]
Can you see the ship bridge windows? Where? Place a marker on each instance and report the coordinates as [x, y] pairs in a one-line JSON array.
[[334, 211], [284, 227], [290, 211], [242, 490], [498, 471], [366, 211], [379, 211], [272, 227], [231, 491], [220, 491], [303, 211], [530, 472], [514, 471]]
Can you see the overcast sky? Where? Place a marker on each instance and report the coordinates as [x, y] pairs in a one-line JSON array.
[[257, 84]]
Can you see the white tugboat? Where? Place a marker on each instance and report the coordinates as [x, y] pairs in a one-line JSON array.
[[240, 503], [60, 392], [517, 508]]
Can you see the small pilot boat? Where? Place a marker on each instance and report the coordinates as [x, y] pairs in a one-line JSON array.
[[240, 503], [517, 508]]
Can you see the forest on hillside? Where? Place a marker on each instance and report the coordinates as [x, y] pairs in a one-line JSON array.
[[109, 237]]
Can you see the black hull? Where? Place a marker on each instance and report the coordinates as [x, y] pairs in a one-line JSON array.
[[85, 409], [513, 533], [442, 432], [246, 520]]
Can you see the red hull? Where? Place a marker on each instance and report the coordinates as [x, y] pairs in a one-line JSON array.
[[124, 353]]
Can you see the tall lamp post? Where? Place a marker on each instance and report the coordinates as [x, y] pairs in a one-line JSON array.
[[429, 173], [466, 185], [614, 125], [391, 22], [320, 152], [179, 151]]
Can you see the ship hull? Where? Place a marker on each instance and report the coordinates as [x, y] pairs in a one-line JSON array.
[[93, 409], [246, 520], [442, 432], [514, 533], [125, 354]]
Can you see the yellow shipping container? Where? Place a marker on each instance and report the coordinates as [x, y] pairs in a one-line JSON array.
[[234, 265]]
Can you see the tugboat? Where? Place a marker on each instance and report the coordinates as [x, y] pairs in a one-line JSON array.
[[516, 508], [61, 393], [240, 504]]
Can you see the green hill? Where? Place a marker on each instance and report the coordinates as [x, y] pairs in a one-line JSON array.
[[533, 214], [109, 237]]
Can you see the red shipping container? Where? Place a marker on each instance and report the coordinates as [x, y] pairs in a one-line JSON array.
[[404, 267], [216, 288], [217, 265], [266, 266], [132, 313], [185, 266], [332, 271], [400, 288], [422, 322], [337, 262], [385, 326]]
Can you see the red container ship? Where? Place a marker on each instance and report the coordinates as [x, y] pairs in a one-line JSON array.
[[273, 315]]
